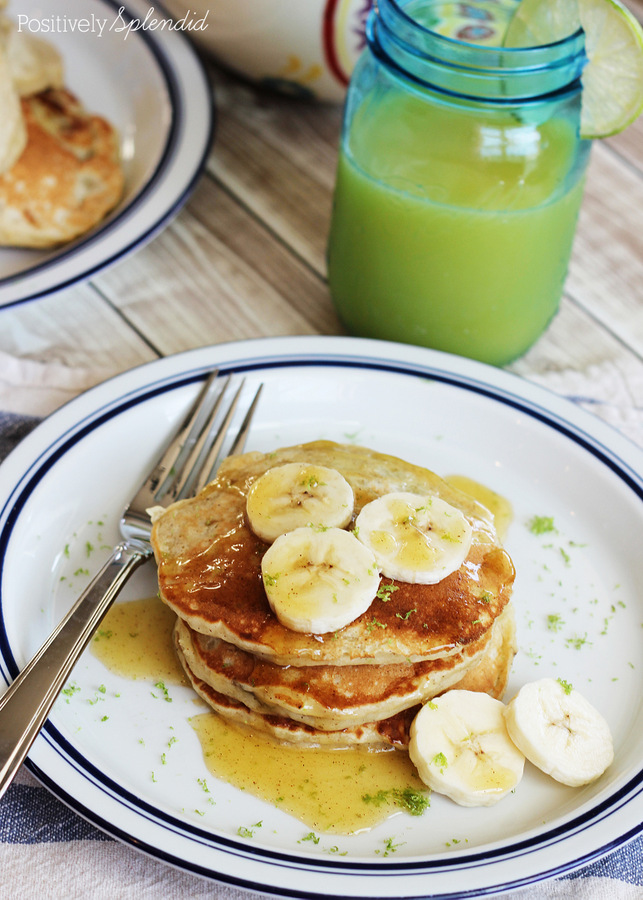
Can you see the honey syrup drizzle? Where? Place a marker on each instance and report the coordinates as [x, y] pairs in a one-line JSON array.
[[333, 791]]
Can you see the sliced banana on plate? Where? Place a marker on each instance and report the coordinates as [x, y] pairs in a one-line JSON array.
[[319, 580], [460, 747], [415, 538], [298, 494], [559, 731]]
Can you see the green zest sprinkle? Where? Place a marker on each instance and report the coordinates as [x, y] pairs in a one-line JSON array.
[[311, 836], [242, 831], [406, 615], [390, 847], [577, 642], [103, 633], [440, 761], [270, 580], [541, 524], [70, 690], [166, 695], [413, 801], [312, 482], [554, 622], [566, 686], [385, 590]]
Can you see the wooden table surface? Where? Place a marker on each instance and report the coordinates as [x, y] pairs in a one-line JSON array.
[[245, 256]]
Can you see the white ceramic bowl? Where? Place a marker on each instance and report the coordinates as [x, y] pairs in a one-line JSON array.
[[303, 47]]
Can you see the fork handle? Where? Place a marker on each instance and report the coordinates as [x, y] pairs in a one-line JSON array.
[[25, 705]]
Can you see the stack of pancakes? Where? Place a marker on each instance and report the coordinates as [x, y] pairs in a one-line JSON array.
[[364, 683]]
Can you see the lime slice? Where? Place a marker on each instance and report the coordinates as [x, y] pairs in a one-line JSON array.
[[613, 77], [537, 22]]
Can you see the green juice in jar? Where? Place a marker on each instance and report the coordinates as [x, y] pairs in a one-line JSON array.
[[453, 218]]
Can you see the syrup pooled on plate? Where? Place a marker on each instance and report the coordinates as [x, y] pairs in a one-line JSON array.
[[334, 791]]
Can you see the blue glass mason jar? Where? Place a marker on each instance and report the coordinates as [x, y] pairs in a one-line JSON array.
[[459, 182]]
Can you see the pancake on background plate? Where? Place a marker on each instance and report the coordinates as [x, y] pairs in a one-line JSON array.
[[67, 178], [60, 168]]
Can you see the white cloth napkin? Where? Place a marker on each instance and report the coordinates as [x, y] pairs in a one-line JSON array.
[[33, 388], [612, 391], [47, 851]]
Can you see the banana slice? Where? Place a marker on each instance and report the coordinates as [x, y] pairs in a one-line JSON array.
[[460, 747], [560, 731], [297, 494], [415, 538], [318, 581]]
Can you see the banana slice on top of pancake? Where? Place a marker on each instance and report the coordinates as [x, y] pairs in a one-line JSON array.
[[319, 580], [416, 538], [295, 495]]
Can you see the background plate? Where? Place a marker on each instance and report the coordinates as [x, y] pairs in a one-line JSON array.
[[152, 87], [65, 487]]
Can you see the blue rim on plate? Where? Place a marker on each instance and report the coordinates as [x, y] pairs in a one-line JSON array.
[[573, 841], [189, 132]]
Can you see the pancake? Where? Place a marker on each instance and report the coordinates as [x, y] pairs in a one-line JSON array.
[[13, 134], [34, 63], [327, 697], [67, 178], [209, 569], [489, 674]]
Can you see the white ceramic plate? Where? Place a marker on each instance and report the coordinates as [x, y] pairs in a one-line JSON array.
[[80, 466], [149, 83]]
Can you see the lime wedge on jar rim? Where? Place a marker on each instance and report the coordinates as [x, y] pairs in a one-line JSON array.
[[613, 76]]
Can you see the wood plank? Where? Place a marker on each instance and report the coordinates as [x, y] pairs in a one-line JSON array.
[[74, 327], [574, 341], [214, 275], [606, 273], [628, 145], [278, 156]]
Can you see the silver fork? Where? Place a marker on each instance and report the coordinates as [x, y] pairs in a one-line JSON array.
[[186, 465]]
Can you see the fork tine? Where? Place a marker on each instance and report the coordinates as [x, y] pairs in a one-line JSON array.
[[242, 435], [181, 442], [212, 440], [192, 450], [209, 465]]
